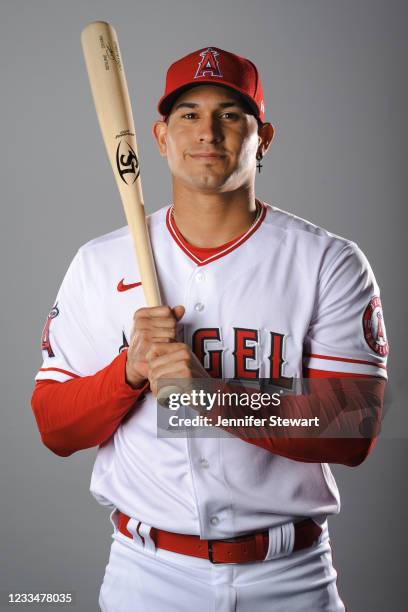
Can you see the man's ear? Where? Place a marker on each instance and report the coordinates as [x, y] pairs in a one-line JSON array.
[[159, 131], [266, 132]]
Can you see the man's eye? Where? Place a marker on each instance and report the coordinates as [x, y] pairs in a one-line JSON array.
[[229, 115]]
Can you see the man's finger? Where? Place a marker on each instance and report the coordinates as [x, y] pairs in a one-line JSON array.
[[170, 369], [178, 312], [163, 338], [158, 350], [153, 311], [147, 324], [159, 332]]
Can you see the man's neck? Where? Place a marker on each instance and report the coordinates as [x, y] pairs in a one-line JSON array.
[[210, 220]]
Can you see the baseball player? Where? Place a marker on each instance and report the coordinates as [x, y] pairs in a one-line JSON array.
[[203, 523]]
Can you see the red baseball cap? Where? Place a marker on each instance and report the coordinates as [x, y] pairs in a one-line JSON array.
[[218, 67]]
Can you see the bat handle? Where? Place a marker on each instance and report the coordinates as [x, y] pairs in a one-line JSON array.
[[164, 394], [166, 391]]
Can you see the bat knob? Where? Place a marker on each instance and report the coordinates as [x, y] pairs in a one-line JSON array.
[[164, 394]]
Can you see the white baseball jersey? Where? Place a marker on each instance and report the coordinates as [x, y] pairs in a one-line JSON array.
[[285, 296]]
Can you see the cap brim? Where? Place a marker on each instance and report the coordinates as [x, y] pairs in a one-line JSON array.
[[166, 102]]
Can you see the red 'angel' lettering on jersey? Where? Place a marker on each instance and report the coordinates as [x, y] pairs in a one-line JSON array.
[[277, 361], [210, 358], [243, 351], [208, 346]]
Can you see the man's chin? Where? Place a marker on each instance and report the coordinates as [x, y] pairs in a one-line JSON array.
[[209, 182]]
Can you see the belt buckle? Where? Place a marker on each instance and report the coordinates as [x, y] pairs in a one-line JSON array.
[[210, 552]]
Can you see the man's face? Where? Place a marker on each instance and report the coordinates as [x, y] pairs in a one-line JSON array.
[[210, 140]]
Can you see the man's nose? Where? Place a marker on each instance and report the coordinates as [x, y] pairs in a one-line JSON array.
[[210, 130]]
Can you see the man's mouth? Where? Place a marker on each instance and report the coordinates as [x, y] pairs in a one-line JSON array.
[[207, 156]]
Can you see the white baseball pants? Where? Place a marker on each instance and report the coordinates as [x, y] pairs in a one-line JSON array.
[[145, 579]]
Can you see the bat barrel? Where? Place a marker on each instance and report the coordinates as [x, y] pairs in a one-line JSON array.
[[113, 108]]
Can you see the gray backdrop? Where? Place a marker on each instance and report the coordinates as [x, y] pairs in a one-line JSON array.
[[334, 75]]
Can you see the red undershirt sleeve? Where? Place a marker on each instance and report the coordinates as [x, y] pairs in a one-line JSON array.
[[350, 451], [85, 411], [341, 409]]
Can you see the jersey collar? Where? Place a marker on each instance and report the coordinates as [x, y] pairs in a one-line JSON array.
[[223, 249]]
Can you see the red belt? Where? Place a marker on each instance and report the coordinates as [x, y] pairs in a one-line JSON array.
[[243, 549]]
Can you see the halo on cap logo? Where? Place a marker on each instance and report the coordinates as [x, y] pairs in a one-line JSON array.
[[208, 65], [374, 328]]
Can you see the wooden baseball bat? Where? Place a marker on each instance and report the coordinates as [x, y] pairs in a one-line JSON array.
[[111, 97]]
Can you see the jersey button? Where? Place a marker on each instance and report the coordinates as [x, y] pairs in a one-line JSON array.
[[200, 277], [214, 520], [204, 463], [199, 307]]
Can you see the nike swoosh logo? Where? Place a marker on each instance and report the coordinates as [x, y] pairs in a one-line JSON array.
[[122, 287]]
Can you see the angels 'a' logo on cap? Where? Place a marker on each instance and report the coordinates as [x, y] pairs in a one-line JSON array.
[[374, 328], [208, 65]]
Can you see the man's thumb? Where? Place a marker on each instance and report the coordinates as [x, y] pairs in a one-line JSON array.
[[178, 312]]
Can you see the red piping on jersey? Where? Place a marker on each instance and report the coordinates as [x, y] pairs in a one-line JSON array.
[[373, 363], [189, 249], [312, 373], [60, 370]]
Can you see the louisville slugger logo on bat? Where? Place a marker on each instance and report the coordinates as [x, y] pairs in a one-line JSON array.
[[127, 163]]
